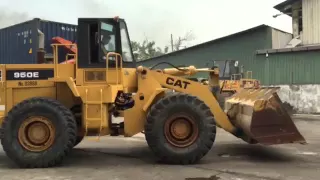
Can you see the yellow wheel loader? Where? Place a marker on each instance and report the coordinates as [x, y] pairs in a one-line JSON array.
[[232, 79], [47, 109]]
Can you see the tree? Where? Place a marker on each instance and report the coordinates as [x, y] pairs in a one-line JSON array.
[[135, 49], [146, 50], [178, 43]]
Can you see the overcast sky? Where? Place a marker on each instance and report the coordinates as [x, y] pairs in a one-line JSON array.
[[155, 19]]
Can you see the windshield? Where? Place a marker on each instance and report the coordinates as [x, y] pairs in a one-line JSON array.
[[125, 44], [226, 68]]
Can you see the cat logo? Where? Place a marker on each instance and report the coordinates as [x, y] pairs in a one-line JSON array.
[[179, 83]]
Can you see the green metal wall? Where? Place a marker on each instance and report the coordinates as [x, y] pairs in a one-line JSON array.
[[301, 67], [241, 47], [290, 68]]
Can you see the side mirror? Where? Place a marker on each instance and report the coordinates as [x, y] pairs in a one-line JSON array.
[[236, 63]]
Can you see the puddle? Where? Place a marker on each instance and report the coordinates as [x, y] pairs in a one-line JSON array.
[[224, 155], [230, 156], [308, 153]]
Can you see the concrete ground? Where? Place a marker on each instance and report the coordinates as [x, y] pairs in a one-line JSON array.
[[118, 158]]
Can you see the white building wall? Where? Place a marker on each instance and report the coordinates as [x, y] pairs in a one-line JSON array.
[[311, 22], [303, 98], [280, 39]]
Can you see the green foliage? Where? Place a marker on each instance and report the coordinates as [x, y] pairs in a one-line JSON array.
[[146, 50]]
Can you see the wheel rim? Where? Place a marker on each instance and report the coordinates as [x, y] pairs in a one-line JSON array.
[[36, 134], [181, 130]]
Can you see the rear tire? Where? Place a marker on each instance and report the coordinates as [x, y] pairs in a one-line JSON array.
[[46, 140], [188, 141], [77, 112]]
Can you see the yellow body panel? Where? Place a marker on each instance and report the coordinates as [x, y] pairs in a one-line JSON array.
[[134, 118], [95, 89], [237, 85], [234, 85]]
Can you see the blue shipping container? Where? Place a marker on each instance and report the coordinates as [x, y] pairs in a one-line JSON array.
[[20, 43]]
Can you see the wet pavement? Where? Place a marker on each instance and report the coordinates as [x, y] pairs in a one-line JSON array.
[[230, 158]]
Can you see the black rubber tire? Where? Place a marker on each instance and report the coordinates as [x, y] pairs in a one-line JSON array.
[[78, 109], [78, 140], [168, 106], [65, 129]]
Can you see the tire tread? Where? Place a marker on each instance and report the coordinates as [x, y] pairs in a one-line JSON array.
[[70, 129], [205, 143]]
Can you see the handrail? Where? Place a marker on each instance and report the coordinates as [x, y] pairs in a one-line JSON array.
[[249, 72], [107, 65], [56, 60], [70, 55], [101, 112], [234, 76]]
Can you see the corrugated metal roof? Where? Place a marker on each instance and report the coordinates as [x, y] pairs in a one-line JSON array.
[[295, 49], [216, 40], [241, 48], [286, 6]]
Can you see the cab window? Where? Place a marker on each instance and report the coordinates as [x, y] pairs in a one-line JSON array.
[[107, 40], [125, 44]]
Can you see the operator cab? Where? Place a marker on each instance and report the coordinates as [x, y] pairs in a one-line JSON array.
[[97, 37], [229, 69]]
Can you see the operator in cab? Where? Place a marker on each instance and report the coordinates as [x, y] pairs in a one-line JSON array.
[[107, 41]]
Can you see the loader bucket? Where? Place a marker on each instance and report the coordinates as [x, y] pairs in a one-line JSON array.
[[261, 118]]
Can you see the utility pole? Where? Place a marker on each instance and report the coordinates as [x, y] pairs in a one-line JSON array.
[[171, 43]]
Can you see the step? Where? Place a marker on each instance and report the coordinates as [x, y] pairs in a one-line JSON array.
[[94, 119], [93, 102]]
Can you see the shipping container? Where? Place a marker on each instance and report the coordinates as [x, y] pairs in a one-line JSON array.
[[26, 42]]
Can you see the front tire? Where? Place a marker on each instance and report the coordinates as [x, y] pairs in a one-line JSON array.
[[38, 133], [180, 129], [78, 140]]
